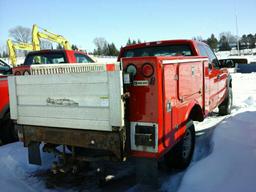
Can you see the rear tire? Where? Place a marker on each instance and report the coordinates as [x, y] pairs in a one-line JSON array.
[[7, 131], [181, 155], [226, 105]]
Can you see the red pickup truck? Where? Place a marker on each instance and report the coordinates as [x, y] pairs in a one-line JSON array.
[[145, 110], [172, 84], [50, 57], [7, 133]]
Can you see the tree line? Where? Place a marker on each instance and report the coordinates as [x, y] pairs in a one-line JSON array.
[[226, 41], [109, 49]]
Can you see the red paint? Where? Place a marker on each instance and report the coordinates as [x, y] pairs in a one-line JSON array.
[[4, 96], [110, 67]]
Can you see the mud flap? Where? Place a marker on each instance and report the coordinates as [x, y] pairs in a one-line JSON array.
[[34, 155], [147, 172]]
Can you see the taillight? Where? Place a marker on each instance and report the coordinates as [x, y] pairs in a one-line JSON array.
[[131, 69], [147, 70]]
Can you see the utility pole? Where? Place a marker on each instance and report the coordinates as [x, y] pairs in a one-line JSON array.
[[237, 32]]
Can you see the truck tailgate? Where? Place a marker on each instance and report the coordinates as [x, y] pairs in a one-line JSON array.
[[85, 100]]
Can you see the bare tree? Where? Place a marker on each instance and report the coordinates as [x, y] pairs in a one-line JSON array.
[[100, 44], [20, 34], [230, 37], [45, 44]]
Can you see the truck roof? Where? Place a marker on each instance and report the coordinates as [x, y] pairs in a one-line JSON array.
[[192, 43], [162, 42], [55, 51]]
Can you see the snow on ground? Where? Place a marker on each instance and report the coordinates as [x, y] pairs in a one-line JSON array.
[[224, 158]]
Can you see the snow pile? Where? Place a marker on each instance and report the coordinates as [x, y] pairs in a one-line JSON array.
[[244, 90], [232, 164]]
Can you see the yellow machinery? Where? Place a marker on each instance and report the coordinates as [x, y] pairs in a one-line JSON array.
[[44, 34], [35, 46], [12, 47]]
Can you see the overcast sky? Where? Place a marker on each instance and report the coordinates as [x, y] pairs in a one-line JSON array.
[[80, 21]]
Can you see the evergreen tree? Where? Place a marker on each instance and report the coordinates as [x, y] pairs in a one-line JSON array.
[[212, 42], [59, 47], [74, 47], [244, 42], [251, 41], [224, 45], [114, 51], [129, 42]]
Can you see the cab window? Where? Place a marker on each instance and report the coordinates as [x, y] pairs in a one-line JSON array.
[[202, 51], [45, 58], [212, 58], [165, 50], [81, 58]]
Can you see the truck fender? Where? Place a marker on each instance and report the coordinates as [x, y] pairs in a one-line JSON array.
[[194, 112]]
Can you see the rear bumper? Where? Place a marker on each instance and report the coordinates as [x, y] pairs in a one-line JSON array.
[[109, 141]]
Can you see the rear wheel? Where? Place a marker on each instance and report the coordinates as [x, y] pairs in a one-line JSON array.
[[226, 105], [180, 156], [7, 131]]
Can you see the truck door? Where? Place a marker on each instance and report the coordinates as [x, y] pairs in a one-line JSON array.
[[210, 78], [170, 110], [217, 79]]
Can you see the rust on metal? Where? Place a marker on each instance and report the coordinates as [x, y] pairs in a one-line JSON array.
[[110, 141]]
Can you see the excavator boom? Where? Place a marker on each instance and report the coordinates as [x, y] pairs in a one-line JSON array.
[[44, 34], [12, 47]]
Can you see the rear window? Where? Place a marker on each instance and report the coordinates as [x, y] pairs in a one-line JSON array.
[[167, 50], [81, 58], [45, 58]]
